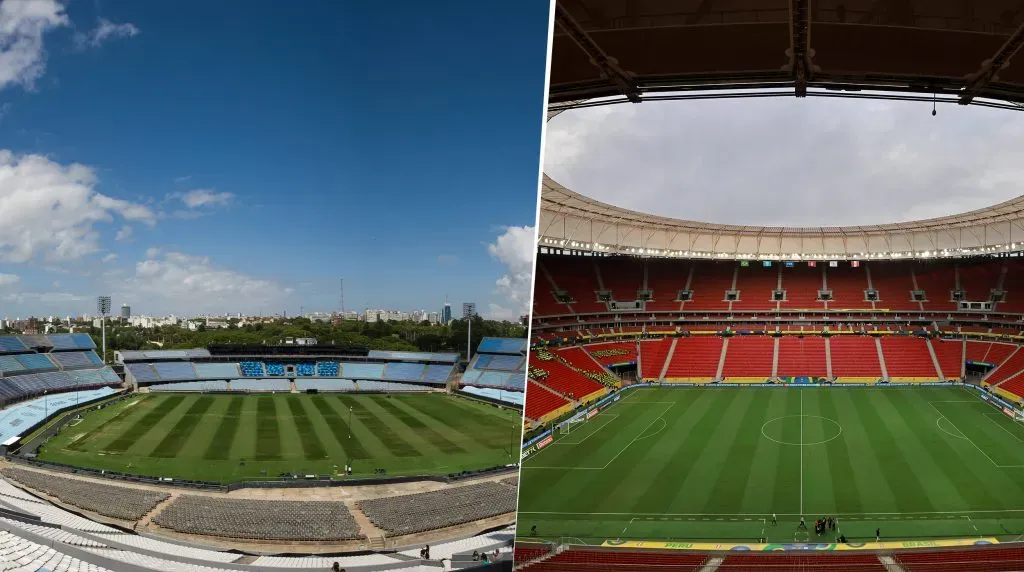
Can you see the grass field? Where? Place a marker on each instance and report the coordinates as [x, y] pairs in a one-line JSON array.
[[713, 464], [227, 438]]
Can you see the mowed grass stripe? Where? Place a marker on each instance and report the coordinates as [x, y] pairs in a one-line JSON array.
[[171, 444], [417, 425], [840, 463], [79, 445], [140, 427], [268, 435], [220, 447], [389, 437], [340, 429], [471, 424], [312, 447]]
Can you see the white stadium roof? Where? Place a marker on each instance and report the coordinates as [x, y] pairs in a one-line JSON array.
[[571, 221]]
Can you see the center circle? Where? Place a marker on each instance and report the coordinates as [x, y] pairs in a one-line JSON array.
[[801, 430]]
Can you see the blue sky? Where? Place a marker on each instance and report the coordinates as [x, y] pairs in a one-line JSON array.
[[235, 156]]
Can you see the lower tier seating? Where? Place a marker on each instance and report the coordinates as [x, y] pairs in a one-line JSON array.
[[409, 514], [259, 519], [125, 503], [540, 402]]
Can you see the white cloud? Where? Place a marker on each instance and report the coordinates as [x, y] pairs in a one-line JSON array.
[[51, 210], [152, 252], [195, 284], [125, 233], [9, 279], [22, 26], [205, 197], [109, 258], [514, 248], [783, 161], [44, 297], [105, 30]]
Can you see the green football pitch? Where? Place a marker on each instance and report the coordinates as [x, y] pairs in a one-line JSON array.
[[226, 438], [713, 464]]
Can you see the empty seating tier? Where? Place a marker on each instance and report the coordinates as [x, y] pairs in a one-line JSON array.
[[996, 559], [125, 503], [259, 519], [305, 369], [653, 354], [950, 354], [563, 378], [580, 560], [403, 371], [174, 370], [408, 514], [1009, 368], [695, 358], [802, 357], [854, 357], [274, 369], [362, 370], [812, 561], [908, 358], [252, 369], [613, 353], [217, 370], [327, 369], [541, 401], [748, 357], [436, 373]]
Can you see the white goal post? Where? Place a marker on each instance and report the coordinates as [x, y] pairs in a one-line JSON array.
[[567, 426]]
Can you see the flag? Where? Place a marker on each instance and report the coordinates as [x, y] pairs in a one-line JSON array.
[[744, 263], [855, 263], [790, 264], [766, 263], [833, 264], [812, 263]]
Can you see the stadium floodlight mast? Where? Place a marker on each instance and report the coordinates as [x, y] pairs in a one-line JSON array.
[[103, 306]]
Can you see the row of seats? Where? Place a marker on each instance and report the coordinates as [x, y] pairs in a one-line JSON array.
[[125, 503], [409, 514], [578, 281], [19, 387], [259, 519], [184, 370]]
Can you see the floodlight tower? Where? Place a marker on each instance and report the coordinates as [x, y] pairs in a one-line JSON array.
[[103, 306]]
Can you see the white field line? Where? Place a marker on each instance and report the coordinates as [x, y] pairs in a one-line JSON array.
[[971, 441], [802, 452], [1002, 415], [759, 515], [610, 416]]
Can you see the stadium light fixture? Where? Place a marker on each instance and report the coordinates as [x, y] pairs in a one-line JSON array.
[[103, 306]]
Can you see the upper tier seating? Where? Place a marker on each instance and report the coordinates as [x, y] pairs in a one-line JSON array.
[[274, 369], [68, 360], [894, 285], [327, 369], [938, 281], [623, 276], [907, 357], [403, 371], [665, 278], [305, 369], [502, 362], [11, 344], [695, 358], [544, 301], [540, 401], [9, 364], [142, 372], [756, 284], [748, 357], [173, 370], [977, 280], [252, 368], [854, 356], [709, 284], [801, 284], [437, 373], [36, 362], [577, 277], [502, 346], [802, 356], [217, 370], [1013, 284], [362, 370]]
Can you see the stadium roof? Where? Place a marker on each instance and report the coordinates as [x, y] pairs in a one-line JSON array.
[[631, 51], [634, 51]]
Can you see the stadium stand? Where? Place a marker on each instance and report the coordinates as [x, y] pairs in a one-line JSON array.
[[653, 354], [987, 559], [694, 359], [259, 519], [142, 372], [907, 359], [305, 369], [709, 283], [511, 346], [848, 285], [403, 371], [577, 277], [748, 358], [580, 559], [68, 360], [15, 418], [435, 373], [408, 514], [12, 344], [623, 277], [938, 281], [1007, 369], [561, 377], [327, 369], [542, 400], [325, 384], [809, 561], [802, 356], [217, 370], [387, 386], [854, 358], [125, 503], [36, 362], [755, 285], [175, 370], [950, 355], [665, 279], [613, 353], [252, 369], [273, 369], [510, 397], [362, 370]]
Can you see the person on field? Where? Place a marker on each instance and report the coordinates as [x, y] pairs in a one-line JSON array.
[[878, 534], [803, 524], [775, 521]]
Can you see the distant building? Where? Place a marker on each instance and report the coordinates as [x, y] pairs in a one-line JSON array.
[[126, 312], [446, 313]]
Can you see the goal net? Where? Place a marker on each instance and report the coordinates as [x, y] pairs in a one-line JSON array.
[[569, 426]]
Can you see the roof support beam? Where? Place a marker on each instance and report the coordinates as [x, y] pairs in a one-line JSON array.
[[990, 67], [609, 66], [799, 44]]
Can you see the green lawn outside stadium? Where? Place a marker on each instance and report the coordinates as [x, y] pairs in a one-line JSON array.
[[228, 438], [714, 464]]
